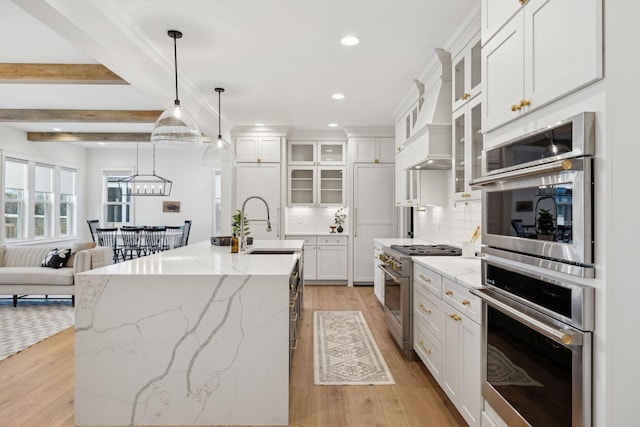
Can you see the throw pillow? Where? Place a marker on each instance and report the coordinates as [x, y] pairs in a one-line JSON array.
[[56, 258]]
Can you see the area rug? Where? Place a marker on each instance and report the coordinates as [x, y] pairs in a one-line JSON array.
[[31, 322], [502, 371], [344, 352]]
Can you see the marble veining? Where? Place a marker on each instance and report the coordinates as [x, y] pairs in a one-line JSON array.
[[173, 349]]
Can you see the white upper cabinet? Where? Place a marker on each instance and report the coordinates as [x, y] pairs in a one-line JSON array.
[[258, 149], [317, 186], [466, 73], [549, 49], [467, 150], [495, 13], [373, 150], [313, 153]]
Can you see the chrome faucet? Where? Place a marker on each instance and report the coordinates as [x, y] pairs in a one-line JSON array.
[[243, 239]]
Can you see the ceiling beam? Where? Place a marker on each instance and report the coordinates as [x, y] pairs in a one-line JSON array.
[[94, 74], [87, 116], [88, 137]]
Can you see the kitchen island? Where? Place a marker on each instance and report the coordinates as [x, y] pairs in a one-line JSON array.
[[192, 336]]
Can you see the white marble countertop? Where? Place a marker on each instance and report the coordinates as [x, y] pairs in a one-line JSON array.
[[465, 271], [206, 259]]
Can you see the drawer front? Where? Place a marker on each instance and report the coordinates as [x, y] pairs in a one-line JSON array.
[[428, 348], [333, 241], [428, 279], [428, 308], [308, 240], [461, 299]]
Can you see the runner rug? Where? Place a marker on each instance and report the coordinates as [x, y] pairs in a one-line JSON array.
[[344, 351], [31, 322]]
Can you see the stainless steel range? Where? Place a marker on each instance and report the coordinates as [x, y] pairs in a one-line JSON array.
[[398, 287]]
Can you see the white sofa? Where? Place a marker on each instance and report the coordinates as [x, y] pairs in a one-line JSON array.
[[21, 271]]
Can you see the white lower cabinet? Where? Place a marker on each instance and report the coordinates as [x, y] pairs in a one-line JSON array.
[[378, 274], [446, 337], [325, 258]]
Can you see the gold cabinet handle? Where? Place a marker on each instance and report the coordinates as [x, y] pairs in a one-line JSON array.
[[448, 293], [525, 103], [376, 161], [466, 302], [466, 96], [522, 2], [258, 160], [426, 310], [426, 350], [516, 107], [425, 278], [465, 195], [455, 317]]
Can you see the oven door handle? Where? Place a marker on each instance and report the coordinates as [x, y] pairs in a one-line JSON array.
[[389, 273], [557, 166], [566, 337]]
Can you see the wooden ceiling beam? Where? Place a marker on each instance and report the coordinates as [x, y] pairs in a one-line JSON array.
[[87, 116], [88, 137], [94, 74]]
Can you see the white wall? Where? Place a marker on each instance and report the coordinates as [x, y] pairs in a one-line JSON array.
[[447, 224], [192, 185]]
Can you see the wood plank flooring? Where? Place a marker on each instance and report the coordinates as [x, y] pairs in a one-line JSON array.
[[36, 385]]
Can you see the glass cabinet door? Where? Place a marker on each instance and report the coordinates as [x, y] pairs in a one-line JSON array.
[[331, 183], [458, 150], [331, 152], [301, 185], [467, 149], [476, 141], [302, 152]]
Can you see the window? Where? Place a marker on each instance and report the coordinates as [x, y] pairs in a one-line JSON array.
[[117, 205], [67, 202], [15, 178], [43, 199]]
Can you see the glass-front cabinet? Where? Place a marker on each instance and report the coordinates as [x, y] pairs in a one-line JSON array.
[[316, 186], [467, 150], [314, 153], [467, 73]]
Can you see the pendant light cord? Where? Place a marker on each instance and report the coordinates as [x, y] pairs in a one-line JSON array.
[[175, 62]]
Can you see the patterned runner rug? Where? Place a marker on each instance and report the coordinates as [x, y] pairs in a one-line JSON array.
[[344, 351], [31, 322]]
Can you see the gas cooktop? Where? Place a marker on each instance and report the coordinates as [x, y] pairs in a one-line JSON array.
[[427, 250]]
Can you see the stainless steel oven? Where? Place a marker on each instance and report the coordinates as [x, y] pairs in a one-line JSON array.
[[536, 346], [398, 288], [537, 197]]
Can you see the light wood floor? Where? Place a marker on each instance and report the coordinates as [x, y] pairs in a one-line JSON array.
[[36, 385]]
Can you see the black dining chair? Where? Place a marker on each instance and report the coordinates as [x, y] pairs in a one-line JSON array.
[[93, 224], [173, 237], [186, 228], [154, 238], [131, 242], [109, 237]]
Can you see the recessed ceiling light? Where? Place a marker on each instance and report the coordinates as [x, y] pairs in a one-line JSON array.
[[259, 124], [56, 129], [337, 96], [350, 41], [333, 125], [102, 143]]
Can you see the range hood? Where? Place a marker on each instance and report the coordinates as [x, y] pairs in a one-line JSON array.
[[429, 146]]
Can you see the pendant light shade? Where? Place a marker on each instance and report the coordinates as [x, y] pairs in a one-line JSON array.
[[219, 154], [176, 127]]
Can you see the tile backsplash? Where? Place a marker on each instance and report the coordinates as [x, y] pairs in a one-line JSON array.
[[448, 224], [303, 219]]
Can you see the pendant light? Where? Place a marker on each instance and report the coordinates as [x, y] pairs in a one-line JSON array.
[[176, 127], [145, 185], [219, 154]]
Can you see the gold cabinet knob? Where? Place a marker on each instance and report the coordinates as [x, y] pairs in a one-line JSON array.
[[466, 302], [516, 107], [525, 103], [448, 292], [455, 317], [258, 160], [465, 195], [522, 2], [426, 350], [466, 96], [376, 161]]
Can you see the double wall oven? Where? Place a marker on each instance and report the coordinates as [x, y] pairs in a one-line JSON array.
[[398, 287], [537, 216]]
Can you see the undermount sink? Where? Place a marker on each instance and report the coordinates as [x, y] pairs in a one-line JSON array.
[[271, 252]]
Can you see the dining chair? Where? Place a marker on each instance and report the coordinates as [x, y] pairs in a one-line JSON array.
[[109, 237], [131, 242], [154, 238], [93, 224], [173, 237], [186, 228]]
